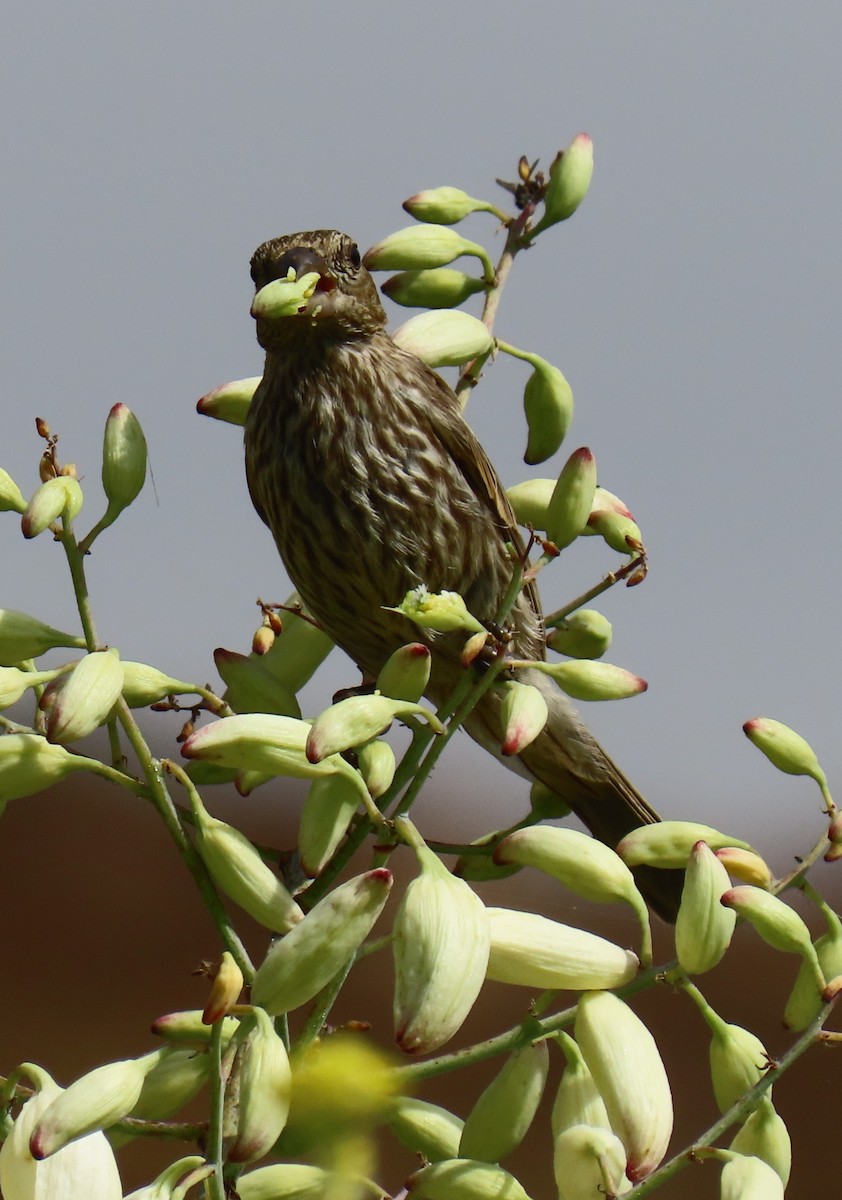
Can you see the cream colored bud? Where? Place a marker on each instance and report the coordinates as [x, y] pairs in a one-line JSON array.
[[441, 287], [472, 648], [805, 1000], [356, 720], [501, 1117], [548, 406], [300, 964], [442, 611], [623, 1058], [620, 533], [123, 459], [570, 177], [444, 338], [86, 697], [258, 1105], [263, 640], [226, 985], [746, 865], [764, 1135], [284, 297], [738, 1060], [464, 1179], [377, 764], [23, 637], [749, 1178], [178, 1076], [523, 715], [144, 685], [479, 868], [669, 843], [535, 952], [586, 633], [59, 497], [703, 928], [14, 682], [406, 673], [328, 810], [577, 1100], [29, 764], [444, 205], [775, 921], [287, 1181], [572, 498], [189, 1028], [530, 501], [586, 680], [251, 687], [11, 497], [421, 246], [440, 944], [785, 749], [426, 1129], [174, 1181], [230, 402], [589, 1162]]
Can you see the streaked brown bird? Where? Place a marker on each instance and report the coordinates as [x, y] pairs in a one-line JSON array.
[[360, 462]]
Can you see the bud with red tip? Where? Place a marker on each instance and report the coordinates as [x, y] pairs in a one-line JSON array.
[[572, 498], [58, 497], [587, 680], [570, 177], [523, 715], [78, 703], [230, 402], [776, 922], [356, 720], [123, 460], [703, 928], [746, 865], [785, 749]]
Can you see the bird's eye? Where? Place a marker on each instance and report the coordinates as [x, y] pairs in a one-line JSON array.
[[354, 256]]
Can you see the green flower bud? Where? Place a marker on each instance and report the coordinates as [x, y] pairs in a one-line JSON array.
[[548, 405], [85, 698], [230, 402], [328, 810], [572, 498], [586, 680], [174, 1182], [406, 673], [377, 764], [227, 983], [284, 297], [805, 1000], [570, 177], [257, 1106], [703, 928], [589, 1161], [577, 1100], [441, 287], [29, 764], [536, 952], [144, 685], [586, 633], [426, 1129], [178, 1076], [776, 922], [619, 532], [96, 1100], [297, 653], [11, 497], [238, 870], [441, 611], [523, 715], [440, 945], [479, 868], [356, 719], [501, 1117], [444, 338], [670, 843], [444, 205], [59, 497], [84, 1169], [627, 1069], [764, 1135], [464, 1179], [14, 682], [746, 865], [300, 964], [123, 459], [285, 1181], [530, 501], [738, 1059], [421, 246], [23, 637], [748, 1178], [785, 749], [189, 1028], [545, 804]]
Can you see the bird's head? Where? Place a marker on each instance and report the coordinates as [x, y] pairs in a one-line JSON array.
[[313, 286]]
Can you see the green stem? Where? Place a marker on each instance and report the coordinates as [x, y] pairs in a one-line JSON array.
[[322, 1005], [216, 1183], [609, 581]]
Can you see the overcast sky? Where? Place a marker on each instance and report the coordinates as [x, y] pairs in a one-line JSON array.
[[149, 148]]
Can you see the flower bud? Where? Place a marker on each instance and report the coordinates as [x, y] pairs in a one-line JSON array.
[[300, 964], [670, 843], [257, 1105], [586, 633], [57, 497], [263, 640], [441, 611], [421, 246], [627, 1069], [144, 685], [523, 715], [178, 1076], [776, 922], [545, 804], [14, 682], [785, 749], [189, 1028], [501, 1117], [463, 1179], [85, 698], [749, 1178], [530, 500], [444, 338], [356, 719], [29, 764], [764, 1135], [589, 1161], [174, 1182], [738, 1059], [230, 402], [703, 928], [377, 764], [285, 1181], [586, 680], [226, 985], [284, 297], [572, 498], [570, 177], [746, 865], [444, 205], [11, 497], [834, 836], [406, 673], [548, 405], [472, 648], [238, 870], [123, 459], [617, 531], [805, 1000], [441, 287], [426, 1129], [328, 810], [535, 952], [479, 868], [96, 1100], [82, 1170], [577, 1100], [441, 922], [23, 637]]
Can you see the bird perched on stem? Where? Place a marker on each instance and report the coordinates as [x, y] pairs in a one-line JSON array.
[[361, 463]]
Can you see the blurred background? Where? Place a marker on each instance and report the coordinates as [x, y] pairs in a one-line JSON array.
[[149, 149]]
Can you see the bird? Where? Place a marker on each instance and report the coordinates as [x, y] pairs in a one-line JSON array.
[[372, 483]]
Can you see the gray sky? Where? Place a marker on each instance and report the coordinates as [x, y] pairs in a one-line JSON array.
[[149, 148]]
